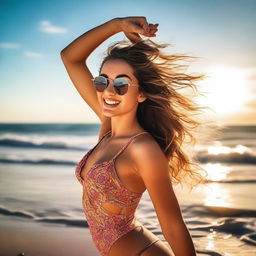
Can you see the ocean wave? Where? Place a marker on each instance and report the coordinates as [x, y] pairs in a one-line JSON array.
[[235, 158], [232, 181], [67, 221], [49, 128], [249, 238], [17, 213], [204, 210], [40, 161], [30, 144], [238, 222], [57, 220], [228, 225]]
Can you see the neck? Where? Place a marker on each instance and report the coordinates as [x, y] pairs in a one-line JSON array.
[[124, 126]]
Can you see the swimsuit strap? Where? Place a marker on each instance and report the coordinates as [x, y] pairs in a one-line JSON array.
[[100, 140], [126, 145], [104, 136]]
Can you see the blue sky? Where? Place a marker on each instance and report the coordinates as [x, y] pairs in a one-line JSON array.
[[36, 88]]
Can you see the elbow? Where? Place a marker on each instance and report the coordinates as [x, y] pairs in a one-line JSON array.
[[64, 57], [67, 58], [63, 54]]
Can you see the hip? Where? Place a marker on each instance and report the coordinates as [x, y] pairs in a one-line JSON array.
[[139, 242]]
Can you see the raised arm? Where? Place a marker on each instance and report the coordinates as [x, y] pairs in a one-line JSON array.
[[74, 57]]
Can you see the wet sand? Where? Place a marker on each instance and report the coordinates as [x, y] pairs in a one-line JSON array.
[[19, 235]]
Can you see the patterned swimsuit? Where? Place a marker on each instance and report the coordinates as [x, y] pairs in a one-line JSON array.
[[102, 185]]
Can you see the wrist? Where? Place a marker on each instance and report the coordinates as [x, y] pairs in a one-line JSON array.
[[117, 24]]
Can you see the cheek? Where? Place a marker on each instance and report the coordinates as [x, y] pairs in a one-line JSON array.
[[131, 102]]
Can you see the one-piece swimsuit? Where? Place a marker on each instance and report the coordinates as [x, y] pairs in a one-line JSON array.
[[101, 185]]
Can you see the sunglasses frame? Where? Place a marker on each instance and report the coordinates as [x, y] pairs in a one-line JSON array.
[[113, 80]]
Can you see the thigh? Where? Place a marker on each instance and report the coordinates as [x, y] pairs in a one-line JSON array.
[[135, 241]]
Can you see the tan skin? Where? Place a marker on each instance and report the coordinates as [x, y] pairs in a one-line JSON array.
[[136, 175]]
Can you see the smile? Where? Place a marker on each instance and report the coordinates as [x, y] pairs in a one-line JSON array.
[[111, 102]]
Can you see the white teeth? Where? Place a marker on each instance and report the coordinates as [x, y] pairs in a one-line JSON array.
[[111, 102]]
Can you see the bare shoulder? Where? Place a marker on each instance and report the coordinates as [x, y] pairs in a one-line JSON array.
[[146, 153], [144, 142]]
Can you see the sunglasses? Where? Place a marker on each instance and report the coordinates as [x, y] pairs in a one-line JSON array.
[[120, 84]]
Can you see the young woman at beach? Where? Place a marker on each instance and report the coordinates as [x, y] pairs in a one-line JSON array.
[[144, 122]]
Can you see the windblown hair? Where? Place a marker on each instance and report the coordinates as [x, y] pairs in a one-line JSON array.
[[167, 114]]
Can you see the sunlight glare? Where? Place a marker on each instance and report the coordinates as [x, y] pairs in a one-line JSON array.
[[226, 90], [218, 148], [217, 196], [216, 172]]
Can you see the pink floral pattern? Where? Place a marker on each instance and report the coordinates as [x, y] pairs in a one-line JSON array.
[[100, 185]]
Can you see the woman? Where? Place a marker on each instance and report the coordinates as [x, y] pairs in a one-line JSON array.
[[140, 140]]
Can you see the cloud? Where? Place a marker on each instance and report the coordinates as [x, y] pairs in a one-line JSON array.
[[47, 27], [9, 45], [33, 54]]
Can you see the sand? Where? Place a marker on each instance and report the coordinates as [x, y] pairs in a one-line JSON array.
[[43, 239]]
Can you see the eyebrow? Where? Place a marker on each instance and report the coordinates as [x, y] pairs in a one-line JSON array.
[[121, 75]]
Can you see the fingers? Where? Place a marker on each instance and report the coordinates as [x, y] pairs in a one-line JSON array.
[[139, 25], [151, 30], [143, 27], [148, 28]]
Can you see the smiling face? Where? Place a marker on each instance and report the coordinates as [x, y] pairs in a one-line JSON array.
[[128, 102]]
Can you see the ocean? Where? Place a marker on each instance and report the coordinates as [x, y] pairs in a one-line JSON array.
[[37, 182]]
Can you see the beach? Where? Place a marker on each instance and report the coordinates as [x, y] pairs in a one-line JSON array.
[[40, 198]]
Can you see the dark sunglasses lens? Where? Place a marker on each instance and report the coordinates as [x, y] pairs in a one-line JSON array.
[[100, 83], [121, 86]]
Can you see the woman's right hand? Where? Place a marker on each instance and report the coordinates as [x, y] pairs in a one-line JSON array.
[[133, 27]]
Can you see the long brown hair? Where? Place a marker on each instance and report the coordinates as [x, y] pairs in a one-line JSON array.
[[166, 113]]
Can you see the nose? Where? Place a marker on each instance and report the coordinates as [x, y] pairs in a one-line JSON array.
[[110, 88]]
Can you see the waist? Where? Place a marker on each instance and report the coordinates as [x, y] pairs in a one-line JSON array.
[[101, 218], [111, 224], [101, 206]]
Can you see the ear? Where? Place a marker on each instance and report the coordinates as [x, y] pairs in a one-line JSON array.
[[141, 98]]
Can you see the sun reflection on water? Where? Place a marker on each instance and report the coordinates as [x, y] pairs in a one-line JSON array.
[[218, 148], [217, 196], [211, 237], [216, 172]]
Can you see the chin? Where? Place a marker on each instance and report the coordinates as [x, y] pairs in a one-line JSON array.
[[108, 114]]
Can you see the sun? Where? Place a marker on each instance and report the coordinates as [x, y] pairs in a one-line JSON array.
[[225, 90]]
